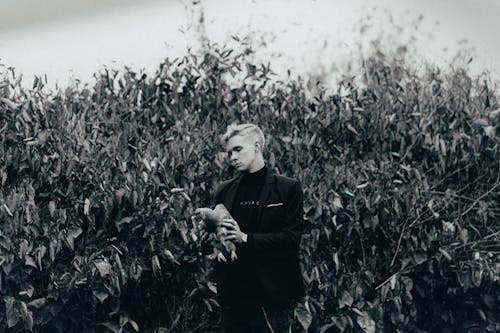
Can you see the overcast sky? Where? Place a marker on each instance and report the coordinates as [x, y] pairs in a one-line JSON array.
[[74, 38]]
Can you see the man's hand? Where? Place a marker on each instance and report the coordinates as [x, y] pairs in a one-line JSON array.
[[234, 233]]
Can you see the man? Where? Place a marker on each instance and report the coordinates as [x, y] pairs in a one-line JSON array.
[[258, 290]]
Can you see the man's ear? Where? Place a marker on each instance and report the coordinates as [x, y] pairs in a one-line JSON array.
[[257, 146]]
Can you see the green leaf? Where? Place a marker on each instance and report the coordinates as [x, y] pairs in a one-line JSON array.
[[134, 325], [29, 261], [8, 210], [86, 207], [103, 266], [212, 286], [71, 235], [113, 327], [5, 242], [37, 303], [10, 311], [75, 232], [27, 291], [365, 322], [303, 314], [419, 256], [336, 261], [52, 208], [337, 203], [43, 136], [125, 220], [342, 322], [9, 103], [40, 254], [155, 263], [101, 295], [345, 299], [28, 321], [325, 328], [464, 235], [445, 254]]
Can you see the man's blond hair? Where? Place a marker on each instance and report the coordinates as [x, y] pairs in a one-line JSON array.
[[244, 130]]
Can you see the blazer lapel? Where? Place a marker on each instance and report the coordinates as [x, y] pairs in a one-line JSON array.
[[231, 194], [263, 198]]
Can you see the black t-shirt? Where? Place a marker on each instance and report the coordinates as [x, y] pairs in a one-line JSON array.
[[246, 201], [242, 285]]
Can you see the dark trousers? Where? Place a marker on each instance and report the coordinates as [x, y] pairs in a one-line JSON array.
[[257, 318]]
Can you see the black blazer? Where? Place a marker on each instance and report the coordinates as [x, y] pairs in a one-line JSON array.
[[273, 250]]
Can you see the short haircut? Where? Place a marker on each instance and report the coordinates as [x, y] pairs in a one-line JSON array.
[[243, 130]]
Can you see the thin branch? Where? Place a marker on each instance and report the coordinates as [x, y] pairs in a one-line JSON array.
[[422, 222], [473, 242], [453, 195], [403, 270], [387, 280], [475, 229], [399, 244], [433, 257], [451, 174], [362, 251], [480, 197], [402, 232]]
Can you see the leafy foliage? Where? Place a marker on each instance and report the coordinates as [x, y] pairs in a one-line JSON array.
[[400, 173]]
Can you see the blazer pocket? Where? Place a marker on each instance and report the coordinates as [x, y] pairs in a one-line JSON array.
[[273, 217]]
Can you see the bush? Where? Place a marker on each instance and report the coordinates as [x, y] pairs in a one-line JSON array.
[[400, 173]]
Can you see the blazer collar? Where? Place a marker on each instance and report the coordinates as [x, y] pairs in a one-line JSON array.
[[233, 188], [269, 177]]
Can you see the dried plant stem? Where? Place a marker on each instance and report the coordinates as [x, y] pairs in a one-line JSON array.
[[401, 271], [399, 244], [403, 231], [479, 198], [471, 244], [454, 172]]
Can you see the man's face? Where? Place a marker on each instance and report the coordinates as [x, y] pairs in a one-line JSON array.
[[242, 152]]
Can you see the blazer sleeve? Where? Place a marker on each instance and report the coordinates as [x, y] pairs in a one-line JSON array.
[[289, 237], [216, 199]]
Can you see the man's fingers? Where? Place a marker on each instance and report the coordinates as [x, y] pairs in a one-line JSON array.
[[231, 237], [228, 225]]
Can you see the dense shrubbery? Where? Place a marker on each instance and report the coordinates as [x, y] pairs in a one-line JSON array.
[[400, 174]]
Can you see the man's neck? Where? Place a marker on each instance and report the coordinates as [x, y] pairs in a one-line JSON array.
[[256, 168], [259, 164]]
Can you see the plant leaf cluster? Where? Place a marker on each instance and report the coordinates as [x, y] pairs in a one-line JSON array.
[[400, 172]]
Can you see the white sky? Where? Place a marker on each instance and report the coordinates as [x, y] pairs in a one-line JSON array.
[[75, 38]]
